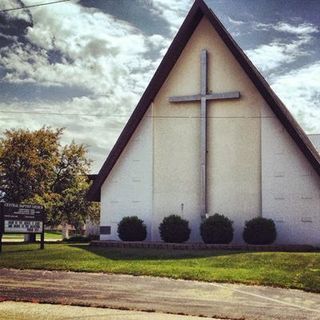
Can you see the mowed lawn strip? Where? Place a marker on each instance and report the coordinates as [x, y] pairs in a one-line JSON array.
[[290, 270], [48, 235]]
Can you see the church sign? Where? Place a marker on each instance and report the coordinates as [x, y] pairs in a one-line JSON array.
[[21, 218]]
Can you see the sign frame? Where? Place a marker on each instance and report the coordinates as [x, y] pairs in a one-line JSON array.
[[25, 214]]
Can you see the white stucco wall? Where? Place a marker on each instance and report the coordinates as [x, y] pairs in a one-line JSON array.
[[290, 186], [128, 189]]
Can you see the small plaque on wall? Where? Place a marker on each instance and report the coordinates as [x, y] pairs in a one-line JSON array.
[[105, 229]]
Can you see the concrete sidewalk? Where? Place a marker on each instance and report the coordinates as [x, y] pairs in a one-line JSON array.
[[25, 311], [231, 301]]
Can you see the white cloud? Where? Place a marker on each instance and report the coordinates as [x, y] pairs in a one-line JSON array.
[[261, 26], [96, 121], [304, 28], [300, 90], [235, 22], [158, 41], [272, 55], [21, 14], [172, 11], [300, 29], [9, 37], [99, 52]]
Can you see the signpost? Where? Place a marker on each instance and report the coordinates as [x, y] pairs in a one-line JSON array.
[[21, 218]]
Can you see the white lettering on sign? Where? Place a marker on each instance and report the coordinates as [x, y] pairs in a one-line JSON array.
[[26, 206], [20, 226]]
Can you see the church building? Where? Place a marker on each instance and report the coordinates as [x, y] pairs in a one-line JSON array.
[[210, 136]]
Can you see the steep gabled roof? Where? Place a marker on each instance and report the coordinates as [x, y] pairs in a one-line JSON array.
[[197, 12]]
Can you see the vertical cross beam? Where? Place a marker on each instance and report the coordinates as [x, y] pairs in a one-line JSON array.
[[203, 134], [203, 97]]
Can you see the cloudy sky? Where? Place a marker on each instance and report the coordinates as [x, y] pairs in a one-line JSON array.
[[83, 64]]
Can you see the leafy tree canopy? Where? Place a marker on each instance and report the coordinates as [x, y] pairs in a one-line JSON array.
[[36, 168]]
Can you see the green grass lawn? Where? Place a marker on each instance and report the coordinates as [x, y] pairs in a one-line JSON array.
[[48, 235], [291, 270]]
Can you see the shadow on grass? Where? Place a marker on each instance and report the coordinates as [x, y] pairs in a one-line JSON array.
[[152, 254], [9, 247]]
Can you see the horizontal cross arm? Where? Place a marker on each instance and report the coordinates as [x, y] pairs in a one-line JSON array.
[[196, 97], [223, 96], [212, 96]]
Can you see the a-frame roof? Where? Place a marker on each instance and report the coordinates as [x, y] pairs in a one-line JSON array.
[[197, 12]]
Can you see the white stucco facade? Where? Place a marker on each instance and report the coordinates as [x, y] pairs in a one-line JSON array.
[[290, 186], [254, 167], [129, 187]]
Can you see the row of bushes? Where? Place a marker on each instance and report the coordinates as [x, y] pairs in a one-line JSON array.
[[216, 229]]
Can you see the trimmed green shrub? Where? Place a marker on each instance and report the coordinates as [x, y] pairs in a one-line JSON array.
[[216, 229], [132, 229], [174, 229], [259, 231]]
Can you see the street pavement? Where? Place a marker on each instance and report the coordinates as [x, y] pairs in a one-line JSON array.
[[162, 295]]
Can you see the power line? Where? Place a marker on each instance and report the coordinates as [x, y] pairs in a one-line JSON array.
[[125, 116], [63, 114], [34, 5]]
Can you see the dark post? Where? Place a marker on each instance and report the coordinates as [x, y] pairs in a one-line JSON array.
[[32, 237], [42, 239], [42, 233], [1, 225]]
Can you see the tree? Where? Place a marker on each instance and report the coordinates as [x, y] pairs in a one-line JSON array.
[[35, 168]]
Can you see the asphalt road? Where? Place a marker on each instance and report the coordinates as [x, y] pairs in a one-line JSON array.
[[182, 297]]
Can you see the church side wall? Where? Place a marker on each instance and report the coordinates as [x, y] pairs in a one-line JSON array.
[[290, 186], [128, 189]]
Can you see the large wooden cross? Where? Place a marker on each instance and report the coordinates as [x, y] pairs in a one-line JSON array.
[[204, 96]]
